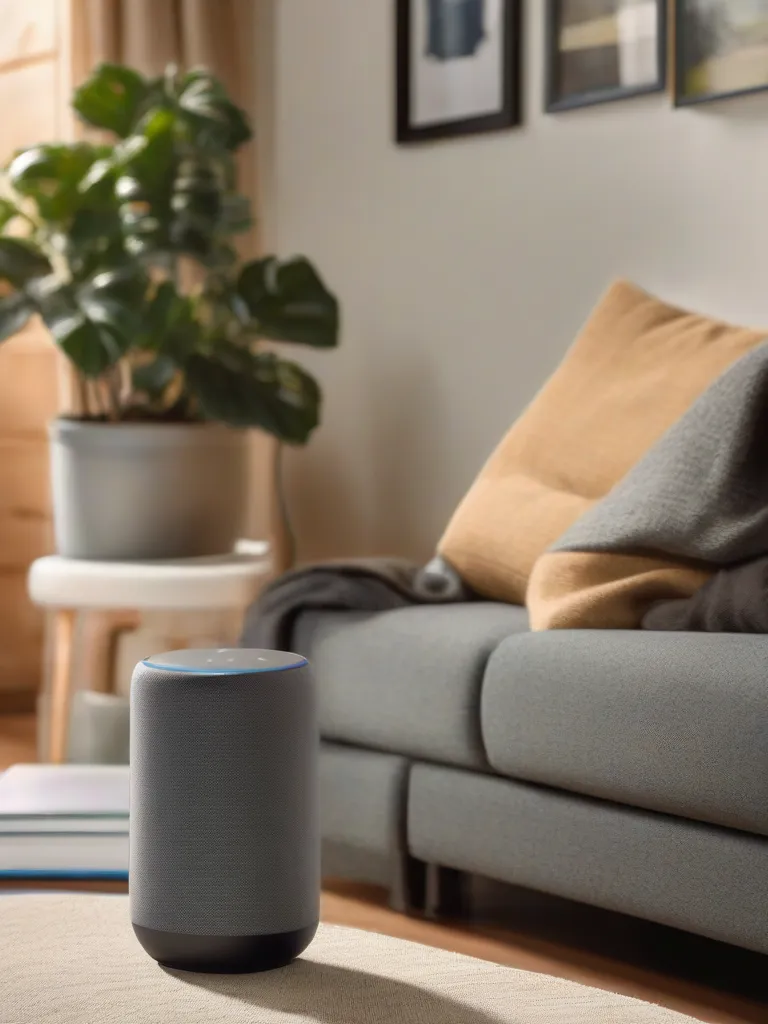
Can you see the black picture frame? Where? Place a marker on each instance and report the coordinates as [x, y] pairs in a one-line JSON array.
[[555, 103], [681, 98], [510, 114]]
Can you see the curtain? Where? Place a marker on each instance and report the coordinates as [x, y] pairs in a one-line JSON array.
[[220, 34], [148, 34]]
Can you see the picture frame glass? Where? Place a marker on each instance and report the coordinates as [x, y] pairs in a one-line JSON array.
[[604, 49], [456, 61], [722, 48]]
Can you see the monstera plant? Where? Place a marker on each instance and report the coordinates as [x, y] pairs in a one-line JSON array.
[[124, 247]]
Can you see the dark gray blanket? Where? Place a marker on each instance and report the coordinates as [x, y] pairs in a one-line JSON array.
[[734, 601], [372, 585]]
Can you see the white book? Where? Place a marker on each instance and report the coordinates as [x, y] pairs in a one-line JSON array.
[[64, 855], [69, 798]]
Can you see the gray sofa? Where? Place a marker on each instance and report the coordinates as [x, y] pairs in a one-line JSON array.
[[627, 770]]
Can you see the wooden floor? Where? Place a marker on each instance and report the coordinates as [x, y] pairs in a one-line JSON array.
[[708, 981], [17, 739]]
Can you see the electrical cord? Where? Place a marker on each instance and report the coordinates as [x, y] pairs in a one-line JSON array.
[[282, 505]]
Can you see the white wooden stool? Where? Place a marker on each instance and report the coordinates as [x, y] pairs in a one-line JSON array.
[[67, 586]]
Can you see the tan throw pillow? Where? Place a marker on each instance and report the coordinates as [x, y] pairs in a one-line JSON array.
[[636, 367]]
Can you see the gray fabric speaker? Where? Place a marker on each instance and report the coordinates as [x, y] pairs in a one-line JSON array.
[[225, 849]]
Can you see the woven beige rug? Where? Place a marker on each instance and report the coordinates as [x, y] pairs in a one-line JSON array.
[[73, 960]]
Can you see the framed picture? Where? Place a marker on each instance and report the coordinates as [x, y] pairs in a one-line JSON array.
[[721, 49], [458, 67], [603, 50]]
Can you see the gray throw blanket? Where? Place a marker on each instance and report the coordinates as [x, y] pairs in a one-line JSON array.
[[716, 500], [733, 601], [371, 584]]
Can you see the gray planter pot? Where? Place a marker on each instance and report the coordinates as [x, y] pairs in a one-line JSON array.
[[138, 491]]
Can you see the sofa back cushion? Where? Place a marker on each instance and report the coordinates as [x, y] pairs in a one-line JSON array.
[[636, 367]]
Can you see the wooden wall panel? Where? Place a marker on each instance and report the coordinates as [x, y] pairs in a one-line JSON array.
[[24, 495], [28, 384], [32, 104], [28, 400], [28, 102], [21, 636], [28, 29]]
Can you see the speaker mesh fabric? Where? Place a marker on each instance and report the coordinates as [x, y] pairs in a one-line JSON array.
[[224, 810]]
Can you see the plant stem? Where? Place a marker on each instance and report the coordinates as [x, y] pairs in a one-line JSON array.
[[175, 271], [282, 506], [112, 388], [95, 406], [82, 393]]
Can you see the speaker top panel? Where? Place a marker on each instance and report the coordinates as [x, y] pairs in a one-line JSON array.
[[224, 661]]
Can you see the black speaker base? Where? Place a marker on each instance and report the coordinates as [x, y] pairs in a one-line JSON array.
[[219, 954]]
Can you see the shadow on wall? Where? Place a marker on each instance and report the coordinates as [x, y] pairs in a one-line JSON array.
[[410, 441], [389, 502], [323, 492], [730, 112]]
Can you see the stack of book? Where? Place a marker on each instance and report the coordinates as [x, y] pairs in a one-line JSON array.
[[63, 823]]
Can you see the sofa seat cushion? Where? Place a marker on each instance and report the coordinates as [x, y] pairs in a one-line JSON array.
[[407, 680], [672, 722]]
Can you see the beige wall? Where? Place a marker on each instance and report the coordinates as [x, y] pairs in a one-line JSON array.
[[465, 267]]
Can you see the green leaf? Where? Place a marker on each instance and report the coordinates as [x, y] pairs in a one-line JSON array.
[[213, 119], [112, 98], [98, 178], [289, 302], [242, 389], [129, 189], [164, 310], [52, 297], [91, 256], [235, 215], [254, 285], [101, 177], [126, 284], [153, 378], [170, 326], [21, 261], [153, 163], [8, 211], [89, 225], [15, 310], [91, 346], [53, 162], [202, 205], [122, 322], [38, 163], [51, 175], [141, 248], [114, 299], [94, 323], [189, 239], [220, 258]]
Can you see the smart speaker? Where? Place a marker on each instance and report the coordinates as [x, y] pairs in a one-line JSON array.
[[224, 871]]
